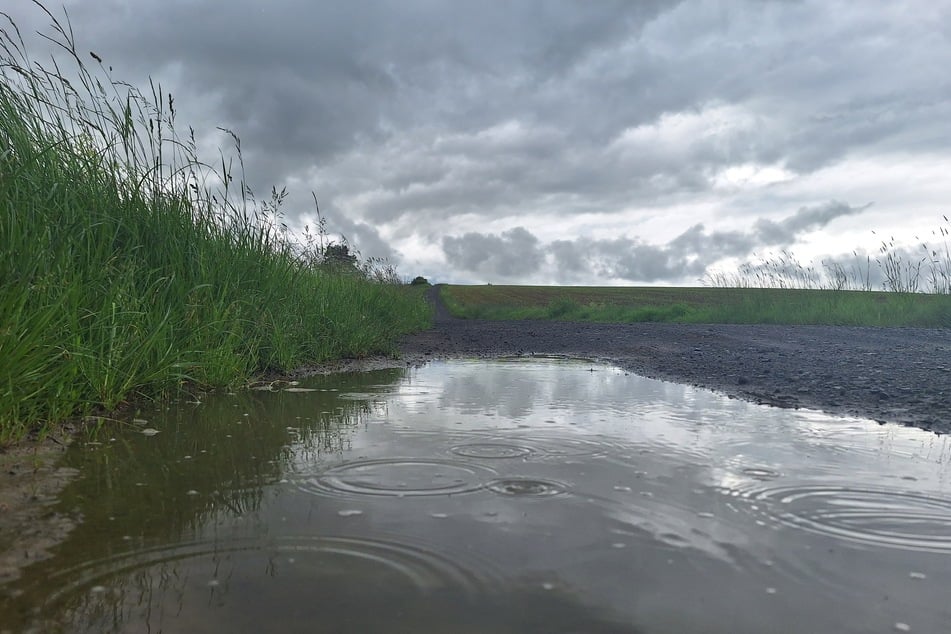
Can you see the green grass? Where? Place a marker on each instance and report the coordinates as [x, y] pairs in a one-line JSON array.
[[128, 268], [699, 305]]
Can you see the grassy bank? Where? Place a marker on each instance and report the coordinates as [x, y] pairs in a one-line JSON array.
[[129, 268], [699, 305]]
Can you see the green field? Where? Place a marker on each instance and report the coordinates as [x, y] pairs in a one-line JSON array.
[[699, 305]]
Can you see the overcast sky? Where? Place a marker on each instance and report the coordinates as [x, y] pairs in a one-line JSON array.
[[564, 142]]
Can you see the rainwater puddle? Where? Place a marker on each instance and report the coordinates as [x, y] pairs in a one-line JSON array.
[[503, 496]]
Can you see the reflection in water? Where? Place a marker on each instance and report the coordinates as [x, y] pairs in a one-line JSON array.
[[506, 496]]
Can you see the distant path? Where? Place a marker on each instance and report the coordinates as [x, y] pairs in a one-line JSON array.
[[898, 375], [441, 313]]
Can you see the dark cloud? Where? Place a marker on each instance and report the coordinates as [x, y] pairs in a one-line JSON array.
[[300, 80], [512, 254]]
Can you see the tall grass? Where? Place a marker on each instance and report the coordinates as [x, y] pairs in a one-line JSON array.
[[893, 269], [128, 267]]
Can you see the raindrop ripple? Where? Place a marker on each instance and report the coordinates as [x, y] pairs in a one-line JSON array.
[[400, 477], [874, 517], [491, 450], [527, 487]]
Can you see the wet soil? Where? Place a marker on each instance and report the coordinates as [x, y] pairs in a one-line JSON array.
[[899, 375], [30, 481]]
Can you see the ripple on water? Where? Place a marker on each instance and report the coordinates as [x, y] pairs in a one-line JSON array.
[[400, 477], [761, 473], [548, 446], [527, 487], [115, 585], [491, 450], [875, 517]]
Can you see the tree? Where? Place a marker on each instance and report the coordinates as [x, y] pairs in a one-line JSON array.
[[339, 258]]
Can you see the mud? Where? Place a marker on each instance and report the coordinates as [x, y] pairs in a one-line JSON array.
[[30, 480]]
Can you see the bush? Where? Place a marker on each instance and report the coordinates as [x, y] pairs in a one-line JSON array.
[[562, 307]]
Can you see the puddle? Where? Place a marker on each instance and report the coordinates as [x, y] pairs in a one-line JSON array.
[[503, 496]]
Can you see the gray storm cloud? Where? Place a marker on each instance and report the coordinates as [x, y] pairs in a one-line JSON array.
[[303, 81], [420, 123], [518, 253], [515, 252]]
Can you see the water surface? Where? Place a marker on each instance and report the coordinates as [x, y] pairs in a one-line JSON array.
[[505, 496]]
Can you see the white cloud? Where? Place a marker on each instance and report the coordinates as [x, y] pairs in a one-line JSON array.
[[750, 176]]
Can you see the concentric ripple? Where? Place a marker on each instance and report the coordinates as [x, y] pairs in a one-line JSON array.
[[423, 569], [527, 487], [491, 450], [553, 446], [401, 477], [875, 517], [132, 587]]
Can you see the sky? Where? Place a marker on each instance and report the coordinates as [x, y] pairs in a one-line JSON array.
[[553, 142]]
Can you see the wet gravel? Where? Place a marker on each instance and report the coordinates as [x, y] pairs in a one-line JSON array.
[[900, 375]]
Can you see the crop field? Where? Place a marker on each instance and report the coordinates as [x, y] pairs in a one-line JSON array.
[[699, 305]]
